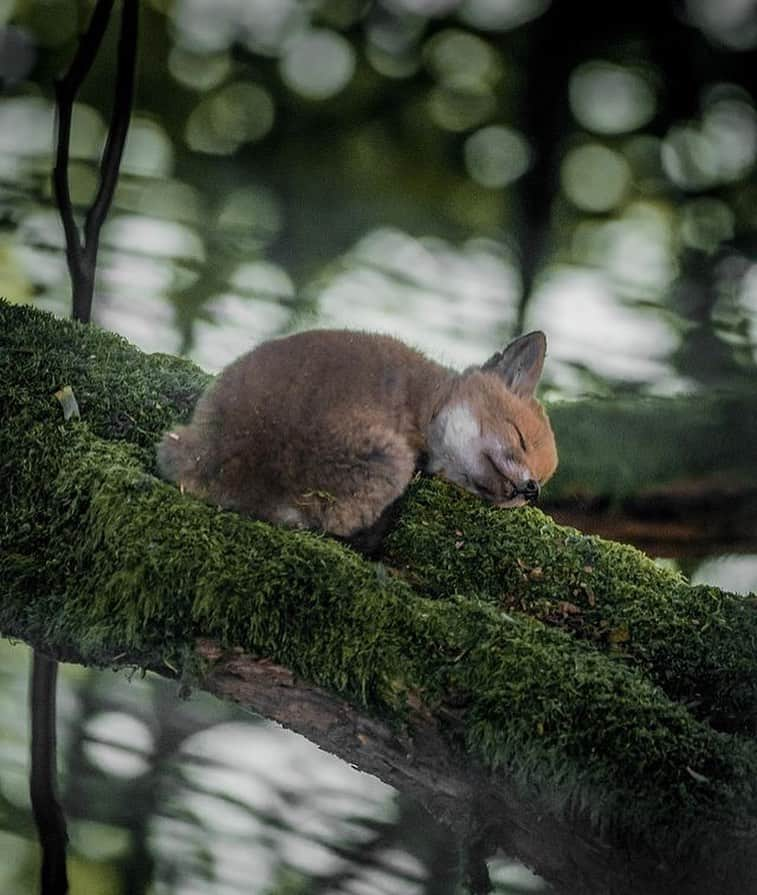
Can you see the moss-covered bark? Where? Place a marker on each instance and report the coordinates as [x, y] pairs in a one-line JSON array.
[[619, 713], [697, 643]]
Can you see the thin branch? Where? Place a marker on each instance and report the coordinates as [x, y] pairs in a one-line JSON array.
[[81, 252], [60, 182], [119, 126], [48, 816], [65, 93], [89, 44]]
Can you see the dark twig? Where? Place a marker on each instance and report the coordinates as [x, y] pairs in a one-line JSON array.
[[81, 253], [48, 816], [119, 127], [65, 93]]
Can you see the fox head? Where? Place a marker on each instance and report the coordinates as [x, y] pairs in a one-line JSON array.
[[490, 435]]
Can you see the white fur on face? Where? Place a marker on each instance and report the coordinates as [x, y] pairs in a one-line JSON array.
[[455, 443]]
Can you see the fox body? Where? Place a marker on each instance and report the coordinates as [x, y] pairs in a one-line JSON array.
[[325, 429]]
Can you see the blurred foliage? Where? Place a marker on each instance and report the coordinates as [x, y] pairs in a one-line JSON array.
[[451, 170]]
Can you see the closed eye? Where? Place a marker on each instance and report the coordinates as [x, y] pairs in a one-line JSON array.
[[520, 437], [497, 471], [483, 490]]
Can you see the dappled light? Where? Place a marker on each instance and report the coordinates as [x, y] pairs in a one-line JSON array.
[[450, 300], [625, 343], [26, 126], [185, 235], [107, 733], [198, 70], [731, 24], [635, 251], [500, 15], [721, 148], [149, 151], [748, 306], [705, 223]]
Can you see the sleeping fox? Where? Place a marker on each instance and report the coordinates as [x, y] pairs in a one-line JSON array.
[[325, 429]]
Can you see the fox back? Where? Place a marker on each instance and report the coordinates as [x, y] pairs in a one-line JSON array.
[[325, 429]]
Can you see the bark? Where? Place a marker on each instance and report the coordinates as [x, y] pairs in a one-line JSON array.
[[476, 804], [550, 693]]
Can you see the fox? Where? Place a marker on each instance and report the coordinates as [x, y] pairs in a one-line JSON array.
[[325, 429]]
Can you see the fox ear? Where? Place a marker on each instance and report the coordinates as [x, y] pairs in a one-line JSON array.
[[520, 363]]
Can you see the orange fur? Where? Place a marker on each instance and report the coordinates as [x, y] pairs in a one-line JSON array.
[[325, 429]]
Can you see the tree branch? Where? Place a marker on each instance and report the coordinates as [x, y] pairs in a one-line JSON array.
[[48, 816], [119, 126], [417, 759], [672, 475], [520, 679], [696, 518], [81, 253]]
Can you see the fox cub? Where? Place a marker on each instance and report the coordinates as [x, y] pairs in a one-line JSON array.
[[325, 429]]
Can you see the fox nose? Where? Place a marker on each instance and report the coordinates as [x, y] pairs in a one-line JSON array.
[[530, 490]]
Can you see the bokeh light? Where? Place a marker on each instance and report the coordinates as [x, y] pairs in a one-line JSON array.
[[496, 156], [318, 63], [590, 326], [595, 178], [212, 27], [149, 150], [455, 56], [728, 22], [107, 734], [392, 45], [199, 71], [610, 99], [26, 125], [252, 211], [501, 15], [238, 113], [460, 106], [721, 148], [450, 301], [705, 223]]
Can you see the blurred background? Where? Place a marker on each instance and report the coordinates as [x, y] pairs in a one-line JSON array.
[[450, 171]]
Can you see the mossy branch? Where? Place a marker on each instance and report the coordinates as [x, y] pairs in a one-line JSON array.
[[675, 476], [493, 656]]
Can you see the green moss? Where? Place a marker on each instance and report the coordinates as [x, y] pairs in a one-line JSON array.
[[120, 393], [697, 643], [99, 556], [133, 566]]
